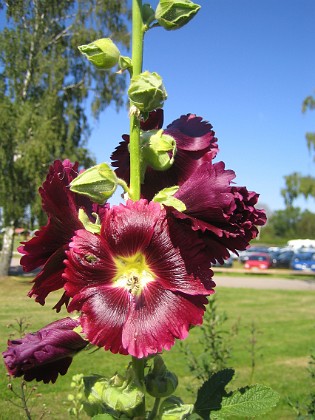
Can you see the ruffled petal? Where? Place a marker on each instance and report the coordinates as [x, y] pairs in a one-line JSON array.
[[225, 216], [158, 318], [104, 311], [195, 142], [47, 248]]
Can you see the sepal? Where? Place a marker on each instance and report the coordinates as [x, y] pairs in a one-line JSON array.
[[120, 394], [146, 91], [125, 63], [86, 222], [166, 198], [148, 15], [98, 183], [173, 14], [173, 408], [103, 53]]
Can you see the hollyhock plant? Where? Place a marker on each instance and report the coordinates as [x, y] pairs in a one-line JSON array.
[[45, 354], [195, 142], [135, 291], [47, 248], [138, 275]]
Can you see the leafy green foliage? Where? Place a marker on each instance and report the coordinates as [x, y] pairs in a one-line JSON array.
[[214, 402], [290, 223], [295, 183], [212, 391], [247, 402], [44, 84], [216, 341]]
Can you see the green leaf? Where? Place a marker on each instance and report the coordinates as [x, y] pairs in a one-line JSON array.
[[211, 393], [247, 402], [103, 417]]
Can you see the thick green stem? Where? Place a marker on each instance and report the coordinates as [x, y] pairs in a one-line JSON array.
[[135, 153], [137, 52], [155, 409], [138, 367]]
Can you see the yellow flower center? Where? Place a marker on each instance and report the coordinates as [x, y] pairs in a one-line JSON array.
[[132, 273]]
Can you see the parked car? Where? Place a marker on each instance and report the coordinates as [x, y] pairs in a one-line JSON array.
[[244, 255], [282, 259], [228, 263], [258, 261], [304, 261]]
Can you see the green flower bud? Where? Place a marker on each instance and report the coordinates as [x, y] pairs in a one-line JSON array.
[[123, 394], [160, 382], [173, 14], [158, 149], [147, 92], [98, 183], [103, 53]]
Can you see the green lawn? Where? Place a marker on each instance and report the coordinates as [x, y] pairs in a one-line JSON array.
[[285, 320]]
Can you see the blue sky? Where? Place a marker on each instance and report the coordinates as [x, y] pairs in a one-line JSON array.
[[246, 67]]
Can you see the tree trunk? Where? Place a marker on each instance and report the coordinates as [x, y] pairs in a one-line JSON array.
[[7, 250]]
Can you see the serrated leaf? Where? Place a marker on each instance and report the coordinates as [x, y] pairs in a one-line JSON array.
[[211, 393], [247, 402]]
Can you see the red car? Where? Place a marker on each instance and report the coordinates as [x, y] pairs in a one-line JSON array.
[[259, 261]]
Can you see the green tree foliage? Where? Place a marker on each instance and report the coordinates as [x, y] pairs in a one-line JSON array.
[[45, 86], [287, 224], [297, 184]]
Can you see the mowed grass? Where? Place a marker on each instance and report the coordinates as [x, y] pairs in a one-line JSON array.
[[284, 321]]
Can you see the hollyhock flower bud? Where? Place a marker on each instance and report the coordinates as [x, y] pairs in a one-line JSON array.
[[158, 149], [160, 382], [98, 183], [103, 53], [44, 354], [173, 14], [147, 92]]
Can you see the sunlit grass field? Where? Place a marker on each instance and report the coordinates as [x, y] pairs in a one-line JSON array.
[[285, 331]]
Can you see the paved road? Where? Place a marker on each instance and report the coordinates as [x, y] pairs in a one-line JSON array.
[[264, 282]]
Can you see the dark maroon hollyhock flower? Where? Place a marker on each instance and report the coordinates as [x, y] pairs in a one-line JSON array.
[[46, 353], [195, 143], [135, 290], [47, 248], [225, 216]]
